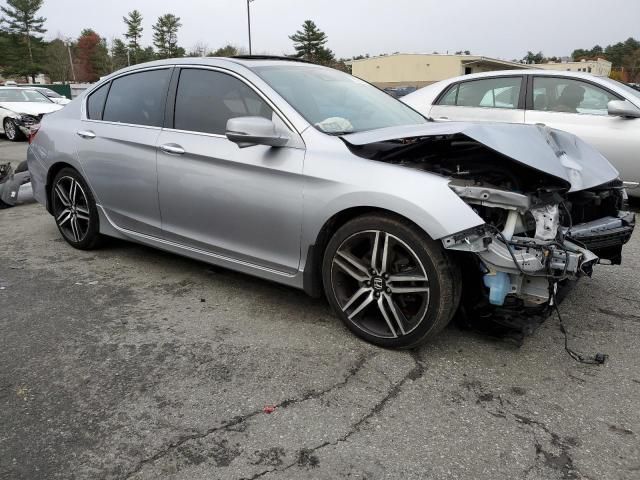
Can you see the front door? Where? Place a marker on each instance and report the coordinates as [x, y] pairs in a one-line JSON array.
[[581, 108], [244, 204]]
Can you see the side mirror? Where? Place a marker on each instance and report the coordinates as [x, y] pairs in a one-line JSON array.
[[623, 108], [248, 131]]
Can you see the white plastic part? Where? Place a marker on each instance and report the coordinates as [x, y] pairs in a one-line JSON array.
[[510, 226]]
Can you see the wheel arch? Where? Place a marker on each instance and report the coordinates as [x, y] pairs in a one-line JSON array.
[[51, 174], [312, 275]]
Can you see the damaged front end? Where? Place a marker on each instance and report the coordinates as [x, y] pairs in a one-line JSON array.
[[530, 242], [552, 208]]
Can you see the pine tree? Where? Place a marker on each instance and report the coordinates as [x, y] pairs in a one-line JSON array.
[[119, 54], [133, 21], [21, 22], [309, 44], [57, 64], [165, 36]]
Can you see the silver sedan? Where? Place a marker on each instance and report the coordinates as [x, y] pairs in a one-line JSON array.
[[601, 111], [309, 177]]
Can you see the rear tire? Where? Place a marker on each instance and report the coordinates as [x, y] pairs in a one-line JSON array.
[[74, 210], [398, 297]]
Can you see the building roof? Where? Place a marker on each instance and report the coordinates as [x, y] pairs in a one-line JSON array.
[[465, 59]]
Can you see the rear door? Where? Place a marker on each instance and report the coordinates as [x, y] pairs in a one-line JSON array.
[[244, 204], [496, 99], [581, 107], [117, 143]]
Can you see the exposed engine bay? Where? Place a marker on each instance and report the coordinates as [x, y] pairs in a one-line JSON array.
[[539, 232]]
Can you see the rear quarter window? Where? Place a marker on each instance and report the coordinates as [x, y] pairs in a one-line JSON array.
[[95, 102]]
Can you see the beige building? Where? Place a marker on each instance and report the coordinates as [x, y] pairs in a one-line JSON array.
[[599, 67], [418, 70]]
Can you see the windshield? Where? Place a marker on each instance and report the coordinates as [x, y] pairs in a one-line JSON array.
[[50, 93], [335, 102], [22, 95]]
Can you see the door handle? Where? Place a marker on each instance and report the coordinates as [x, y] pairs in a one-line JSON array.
[[172, 149], [443, 118], [86, 134]]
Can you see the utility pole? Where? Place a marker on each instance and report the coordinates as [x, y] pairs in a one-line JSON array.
[[249, 22], [73, 71]]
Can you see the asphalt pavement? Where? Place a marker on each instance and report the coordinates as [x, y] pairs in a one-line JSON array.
[[131, 363]]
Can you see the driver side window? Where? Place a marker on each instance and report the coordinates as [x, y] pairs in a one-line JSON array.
[[207, 99], [566, 95]]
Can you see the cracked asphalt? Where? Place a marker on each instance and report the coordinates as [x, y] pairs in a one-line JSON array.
[[130, 363]]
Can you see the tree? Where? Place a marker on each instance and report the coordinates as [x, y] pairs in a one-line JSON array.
[[632, 66], [165, 36], [309, 44], [57, 64], [119, 54], [21, 22], [92, 56], [227, 51], [200, 49], [531, 57], [146, 55], [581, 53], [133, 21]]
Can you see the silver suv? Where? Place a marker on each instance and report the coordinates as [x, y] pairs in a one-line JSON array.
[[309, 177]]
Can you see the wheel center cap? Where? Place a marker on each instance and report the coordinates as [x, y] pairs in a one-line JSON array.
[[378, 283]]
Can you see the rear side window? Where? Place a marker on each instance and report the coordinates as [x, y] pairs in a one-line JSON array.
[[206, 100], [95, 102], [489, 93], [138, 98]]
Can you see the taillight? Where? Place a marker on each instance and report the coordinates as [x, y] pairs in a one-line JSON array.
[[33, 131]]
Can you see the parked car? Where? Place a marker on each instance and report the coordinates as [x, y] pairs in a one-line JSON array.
[[604, 112], [399, 92], [52, 95], [310, 177], [21, 109]]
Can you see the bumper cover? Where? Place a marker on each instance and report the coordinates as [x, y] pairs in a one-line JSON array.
[[605, 236]]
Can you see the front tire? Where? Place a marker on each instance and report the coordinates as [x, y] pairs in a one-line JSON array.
[[11, 130], [74, 210], [388, 282]]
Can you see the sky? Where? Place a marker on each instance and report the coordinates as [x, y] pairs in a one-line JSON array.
[[504, 29]]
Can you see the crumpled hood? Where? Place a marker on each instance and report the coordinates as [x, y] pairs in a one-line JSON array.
[[31, 108], [554, 152]]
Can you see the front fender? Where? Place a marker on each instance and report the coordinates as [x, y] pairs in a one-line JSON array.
[[335, 181]]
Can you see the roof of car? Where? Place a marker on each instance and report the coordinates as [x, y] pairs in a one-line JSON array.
[[246, 60], [532, 71]]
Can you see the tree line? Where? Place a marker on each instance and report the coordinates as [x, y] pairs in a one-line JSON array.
[[624, 58], [24, 53]]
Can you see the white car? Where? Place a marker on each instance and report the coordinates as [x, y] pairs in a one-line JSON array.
[[52, 95], [601, 111], [20, 109]]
